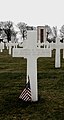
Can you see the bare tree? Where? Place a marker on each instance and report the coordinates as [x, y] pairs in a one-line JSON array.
[[9, 29], [49, 33], [62, 33], [54, 31], [23, 29]]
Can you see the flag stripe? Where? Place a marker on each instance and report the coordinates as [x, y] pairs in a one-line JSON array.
[[26, 94]]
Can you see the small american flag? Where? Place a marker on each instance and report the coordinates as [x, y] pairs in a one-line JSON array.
[[26, 93]]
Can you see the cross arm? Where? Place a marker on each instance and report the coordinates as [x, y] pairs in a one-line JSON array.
[[55, 45], [44, 52], [20, 52]]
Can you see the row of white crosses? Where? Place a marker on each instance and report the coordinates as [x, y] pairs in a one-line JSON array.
[[11, 45]]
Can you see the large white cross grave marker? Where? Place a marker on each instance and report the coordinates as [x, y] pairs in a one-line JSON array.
[[32, 52]]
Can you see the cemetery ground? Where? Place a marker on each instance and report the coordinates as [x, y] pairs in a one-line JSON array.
[[50, 105]]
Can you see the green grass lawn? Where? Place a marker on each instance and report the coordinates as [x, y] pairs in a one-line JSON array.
[[50, 105]]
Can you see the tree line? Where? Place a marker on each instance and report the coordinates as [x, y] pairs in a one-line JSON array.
[[7, 30]]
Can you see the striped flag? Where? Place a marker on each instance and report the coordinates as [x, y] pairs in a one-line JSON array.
[[26, 93]]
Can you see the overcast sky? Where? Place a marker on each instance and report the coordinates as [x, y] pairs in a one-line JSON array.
[[33, 12]]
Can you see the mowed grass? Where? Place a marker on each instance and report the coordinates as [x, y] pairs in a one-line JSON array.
[[50, 105]]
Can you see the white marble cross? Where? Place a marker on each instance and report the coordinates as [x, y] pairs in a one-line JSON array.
[[57, 46], [31, 52], [1, 46]]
